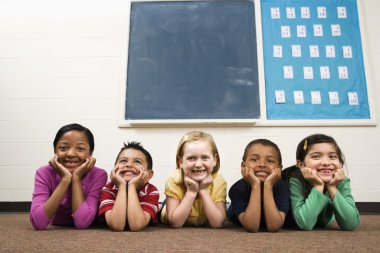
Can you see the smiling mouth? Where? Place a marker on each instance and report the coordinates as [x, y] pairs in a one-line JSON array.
[[71, 164], [325, 171], [129, 173], [262, 173], [198, 171]]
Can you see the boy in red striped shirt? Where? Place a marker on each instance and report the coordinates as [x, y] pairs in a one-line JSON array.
[[129, 200]]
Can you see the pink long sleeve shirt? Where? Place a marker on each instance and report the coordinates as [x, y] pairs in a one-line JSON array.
[[47, 180]]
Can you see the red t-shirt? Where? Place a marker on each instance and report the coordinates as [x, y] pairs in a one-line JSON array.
[[148, 197]]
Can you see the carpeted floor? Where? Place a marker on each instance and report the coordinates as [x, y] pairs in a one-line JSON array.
[[17, 235]]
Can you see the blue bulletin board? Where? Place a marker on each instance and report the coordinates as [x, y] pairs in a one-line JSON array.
[[313, 60]]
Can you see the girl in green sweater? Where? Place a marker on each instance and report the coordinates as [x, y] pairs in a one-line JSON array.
[[319, 190]]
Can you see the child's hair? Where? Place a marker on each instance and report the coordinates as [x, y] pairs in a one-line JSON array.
[[302, 150], [263, 142], [75, 127], [137, 146]]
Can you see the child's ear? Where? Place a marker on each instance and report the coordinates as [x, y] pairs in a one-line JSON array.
[[150, 172], [300, 164], [242, 165]]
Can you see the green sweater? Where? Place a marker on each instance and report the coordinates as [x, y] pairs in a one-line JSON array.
[[317, 210]]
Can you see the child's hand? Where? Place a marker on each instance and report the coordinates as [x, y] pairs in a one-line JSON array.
[[249, 176], [115, 175], [85, 167], [205, 183], [191, 184], [274, 177], [141, 179], [311, 176], [59, 168], [338, 177]]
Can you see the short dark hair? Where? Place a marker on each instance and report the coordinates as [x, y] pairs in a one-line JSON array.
[[75, 127], [137, 146], [263, 142]]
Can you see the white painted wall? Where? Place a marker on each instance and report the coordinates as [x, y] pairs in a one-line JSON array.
[[61, 62]]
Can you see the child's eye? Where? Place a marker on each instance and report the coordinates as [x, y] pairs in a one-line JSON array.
[[271, 161], [122, 161], [62, 148], [314, 156], [138, 161], [190, 158], [333, 157], [205, 158]]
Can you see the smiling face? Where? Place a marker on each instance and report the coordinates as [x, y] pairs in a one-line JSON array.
[[132, 161], [262, 159], [72, 149], [197, 161], [323, 158]]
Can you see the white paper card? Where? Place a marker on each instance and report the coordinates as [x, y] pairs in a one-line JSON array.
[[342, 13], [280, 97], [298, 97], [316, 97], [288, 72], [353, 98], [334, 98], [275, 12], [301, 31], [290, 12], [325, 72], [314, 51], [277, 51], [318, 30], [308, 72], [335, 30], [296, 51], [343, 72], [347, 52], [330, 51], [322, 13], [305, 12], [285, 32]]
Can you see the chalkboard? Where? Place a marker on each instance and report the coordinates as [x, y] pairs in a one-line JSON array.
[[192, 60]]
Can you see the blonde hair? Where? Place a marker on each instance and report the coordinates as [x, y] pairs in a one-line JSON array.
[[197, 136]]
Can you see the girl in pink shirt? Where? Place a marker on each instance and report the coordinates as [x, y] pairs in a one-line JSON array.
[[66, 192]]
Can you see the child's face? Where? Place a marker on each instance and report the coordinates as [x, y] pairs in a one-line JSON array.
[[198, 160], [72, 149], [322, 158], [132, 160], [262, 159]]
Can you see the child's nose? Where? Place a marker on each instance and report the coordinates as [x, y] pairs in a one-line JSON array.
[[325, 161], [198, 162], [262, 163], [71, 152]]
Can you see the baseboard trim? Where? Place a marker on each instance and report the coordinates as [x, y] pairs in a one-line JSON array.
[[15, 207], [368, 207]]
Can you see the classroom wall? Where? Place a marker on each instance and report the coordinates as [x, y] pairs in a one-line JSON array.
[[62, 62]]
